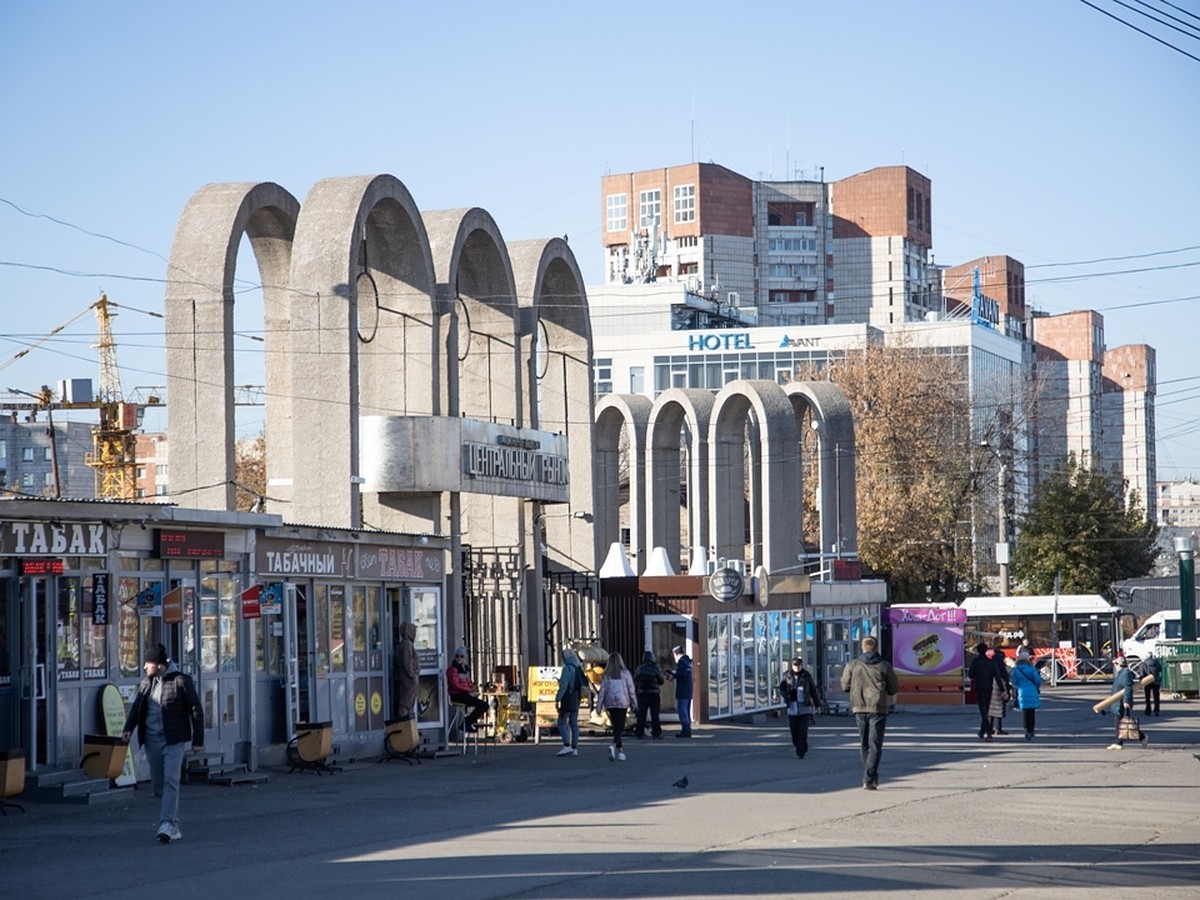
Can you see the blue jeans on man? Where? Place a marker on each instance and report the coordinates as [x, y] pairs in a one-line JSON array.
[[683, 705], [166, 766], [568, 727]]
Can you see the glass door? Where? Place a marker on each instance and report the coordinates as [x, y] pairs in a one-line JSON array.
[[38, 672], [662, 634]]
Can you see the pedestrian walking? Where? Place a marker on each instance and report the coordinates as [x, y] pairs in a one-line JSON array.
[[1027, 686], [684, 687], [799, 692], [167, 715], [1127, 724], [998, 708], [1153, 690], [648, 678], [571, 684], [872, 684], [982, 672], [616, 697]]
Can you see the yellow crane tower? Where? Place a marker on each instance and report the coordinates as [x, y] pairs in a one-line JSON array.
[[114, 444]]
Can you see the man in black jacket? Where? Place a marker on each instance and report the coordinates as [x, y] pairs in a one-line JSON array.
[[799, 692], [167, 714], [648, 678]]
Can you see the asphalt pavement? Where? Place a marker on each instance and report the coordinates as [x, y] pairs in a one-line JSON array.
[[1059, 816]]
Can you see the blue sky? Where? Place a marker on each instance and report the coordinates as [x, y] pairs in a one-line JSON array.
[[1051, 133]]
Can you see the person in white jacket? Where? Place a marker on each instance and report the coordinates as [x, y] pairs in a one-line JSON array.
[[616, 697]]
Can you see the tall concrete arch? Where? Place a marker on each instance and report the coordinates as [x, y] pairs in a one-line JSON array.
[[617, 414], [679, 420], [837, 455], [199, 330], [556, 344], [765, 411], [339, 217], [475, 279]]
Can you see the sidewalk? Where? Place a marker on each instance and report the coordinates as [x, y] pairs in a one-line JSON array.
[[1058, 816]]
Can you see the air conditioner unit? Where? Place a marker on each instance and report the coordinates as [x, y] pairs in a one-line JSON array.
[[734, 298]]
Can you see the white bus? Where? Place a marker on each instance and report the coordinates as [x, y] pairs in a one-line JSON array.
[[1089, 631]]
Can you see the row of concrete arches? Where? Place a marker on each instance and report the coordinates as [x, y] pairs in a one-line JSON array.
[[710, 437], [371, 308]]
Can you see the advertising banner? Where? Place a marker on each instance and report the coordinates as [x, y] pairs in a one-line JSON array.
[[927, 652]]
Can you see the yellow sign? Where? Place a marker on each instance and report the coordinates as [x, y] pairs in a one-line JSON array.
[[360, 704], [542, 683], [376, 702]]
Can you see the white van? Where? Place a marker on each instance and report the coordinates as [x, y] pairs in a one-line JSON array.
[[1166, 625]]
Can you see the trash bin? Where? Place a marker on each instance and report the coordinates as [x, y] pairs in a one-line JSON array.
[[103, 756], [1181, 667]]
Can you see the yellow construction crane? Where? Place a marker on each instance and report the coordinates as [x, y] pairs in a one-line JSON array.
[[114, 440]]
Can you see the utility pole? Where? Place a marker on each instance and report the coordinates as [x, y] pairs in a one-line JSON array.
[[1002, 526]]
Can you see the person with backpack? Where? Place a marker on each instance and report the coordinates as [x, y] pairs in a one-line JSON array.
[[616, 697], [1152, 666], [570, 693], [799, 692], [648, 678], [1027, 685]]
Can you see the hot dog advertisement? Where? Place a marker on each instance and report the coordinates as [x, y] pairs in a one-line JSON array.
[[927, 649]]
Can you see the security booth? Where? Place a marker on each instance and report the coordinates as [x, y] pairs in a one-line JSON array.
[[331, 602]]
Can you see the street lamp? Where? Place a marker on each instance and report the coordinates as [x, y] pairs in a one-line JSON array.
[[1002, 556], [1185, 546]]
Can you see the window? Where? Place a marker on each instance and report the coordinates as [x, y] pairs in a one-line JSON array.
[[28, 479], [47, 454], [27, 454], [618, 218], [649, 208], [685, 203], [3, 449], [602, 375], [637, 379]]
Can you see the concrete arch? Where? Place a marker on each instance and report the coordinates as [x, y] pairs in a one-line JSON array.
[[775, 477], [475, 279], [830, 410], [617, 413], [339, 217], [472, 263], [198, 305], [674, 410], [556, 343]]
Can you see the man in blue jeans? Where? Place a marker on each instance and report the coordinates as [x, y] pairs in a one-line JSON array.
[[167, 714], [683, 691]]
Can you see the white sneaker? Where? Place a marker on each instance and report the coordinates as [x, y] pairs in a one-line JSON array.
[[621, 755], [1114, 747], [565, 751], [574, 752], [164, 833], [612, 752], [176, 834]]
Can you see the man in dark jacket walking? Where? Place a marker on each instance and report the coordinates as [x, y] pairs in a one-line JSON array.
[[871, 683], [799, 692], [983, 681], [648, 678], [167, 714]]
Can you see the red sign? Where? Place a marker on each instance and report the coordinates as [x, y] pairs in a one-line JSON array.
[[188, 544], [172, 607], [41, 567], [250, 605]]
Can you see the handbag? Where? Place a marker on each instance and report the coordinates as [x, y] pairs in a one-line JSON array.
[[1128, 728]]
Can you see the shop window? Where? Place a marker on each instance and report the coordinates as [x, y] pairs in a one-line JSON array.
[[94, 643], [67, 629]]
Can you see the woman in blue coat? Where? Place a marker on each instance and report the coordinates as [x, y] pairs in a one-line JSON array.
[[1027, 683]]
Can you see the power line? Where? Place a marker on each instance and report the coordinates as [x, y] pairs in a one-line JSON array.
[[1139, 30]]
